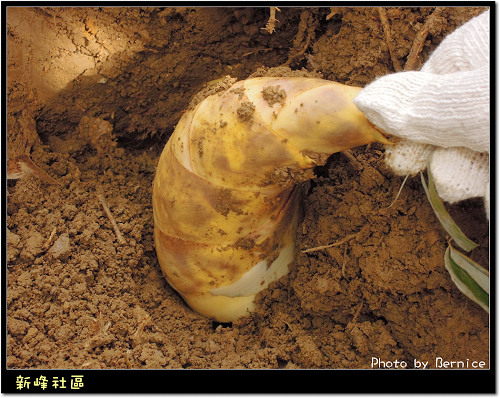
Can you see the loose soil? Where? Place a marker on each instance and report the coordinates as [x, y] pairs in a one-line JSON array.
[[93, 95]]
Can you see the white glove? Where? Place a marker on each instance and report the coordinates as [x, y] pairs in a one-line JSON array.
[[441, 113]]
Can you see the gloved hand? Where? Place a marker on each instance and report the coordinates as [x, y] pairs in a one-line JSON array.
[[441, 113]]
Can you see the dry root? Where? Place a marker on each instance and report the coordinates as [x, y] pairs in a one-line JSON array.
[[307, 27], [418, 43], [50, 240], [338, 243], [117, 231], [271, 22], [388, 38], [22, 166]]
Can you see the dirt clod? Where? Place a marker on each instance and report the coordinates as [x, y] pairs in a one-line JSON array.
[[245, 111], [274, 95]]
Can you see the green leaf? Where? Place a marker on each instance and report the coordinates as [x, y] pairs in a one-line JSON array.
[[470, 278], [480, 275], [444, 217]]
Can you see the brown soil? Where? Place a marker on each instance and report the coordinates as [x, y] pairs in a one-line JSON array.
[[93, 95]]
